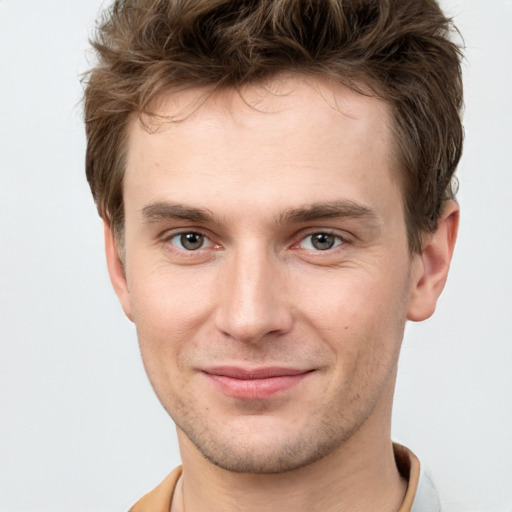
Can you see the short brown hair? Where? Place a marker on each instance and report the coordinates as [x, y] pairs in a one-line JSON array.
[[399, 50]]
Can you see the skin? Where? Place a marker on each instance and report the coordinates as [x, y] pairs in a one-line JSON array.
[[257, 174]]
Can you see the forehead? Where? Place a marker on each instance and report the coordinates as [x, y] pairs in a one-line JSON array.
[[281, 139], [300, 101], [278, 94]]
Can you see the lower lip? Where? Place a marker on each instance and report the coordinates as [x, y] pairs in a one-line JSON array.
[[255, 389]]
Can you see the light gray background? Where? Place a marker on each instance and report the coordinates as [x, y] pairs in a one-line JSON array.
[[80, 429]]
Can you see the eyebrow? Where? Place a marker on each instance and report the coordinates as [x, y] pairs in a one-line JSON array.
[[328, 210], [340, 209], [162, 210]]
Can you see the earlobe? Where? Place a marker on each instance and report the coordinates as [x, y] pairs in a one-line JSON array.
[[117, 271], [433, 264]]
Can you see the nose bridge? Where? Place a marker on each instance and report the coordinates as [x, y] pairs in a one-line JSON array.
[[252, 301]]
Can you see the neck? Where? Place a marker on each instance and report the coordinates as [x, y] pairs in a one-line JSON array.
[[360, 476]]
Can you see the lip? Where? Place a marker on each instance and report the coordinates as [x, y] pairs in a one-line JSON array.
[[254, 383]]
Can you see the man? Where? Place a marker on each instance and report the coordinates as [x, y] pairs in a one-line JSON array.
[[275, 182]]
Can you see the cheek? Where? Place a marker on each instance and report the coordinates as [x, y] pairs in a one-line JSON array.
[[354, 298], [361, 319], [169, 310]]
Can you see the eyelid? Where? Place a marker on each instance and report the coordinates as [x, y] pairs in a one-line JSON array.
[[345, 237], [168, 236], [206, 242], [308, 239]]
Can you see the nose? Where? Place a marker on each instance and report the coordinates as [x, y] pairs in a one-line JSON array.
[[253, 302]]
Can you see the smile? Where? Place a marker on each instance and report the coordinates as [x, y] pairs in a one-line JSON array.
[[254, 384]]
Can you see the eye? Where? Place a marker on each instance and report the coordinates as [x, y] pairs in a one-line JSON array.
[[320, 242], [191, 241]]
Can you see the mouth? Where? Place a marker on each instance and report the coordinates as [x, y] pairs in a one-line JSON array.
[[254, 383]]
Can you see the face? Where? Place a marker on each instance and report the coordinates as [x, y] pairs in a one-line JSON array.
[[267, 269]]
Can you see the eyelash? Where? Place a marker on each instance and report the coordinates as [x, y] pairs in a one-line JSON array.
[[182, 234], [338, 241]]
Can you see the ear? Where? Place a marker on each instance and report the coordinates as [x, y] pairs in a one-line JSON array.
[[432, 265], [116, 271]]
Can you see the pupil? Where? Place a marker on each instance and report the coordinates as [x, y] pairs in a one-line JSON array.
[[323, 241], [192, 241]]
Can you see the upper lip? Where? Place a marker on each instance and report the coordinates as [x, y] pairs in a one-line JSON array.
[[267, 372]]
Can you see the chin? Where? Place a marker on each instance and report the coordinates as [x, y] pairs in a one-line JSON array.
[[263, 461], [264, 452]]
